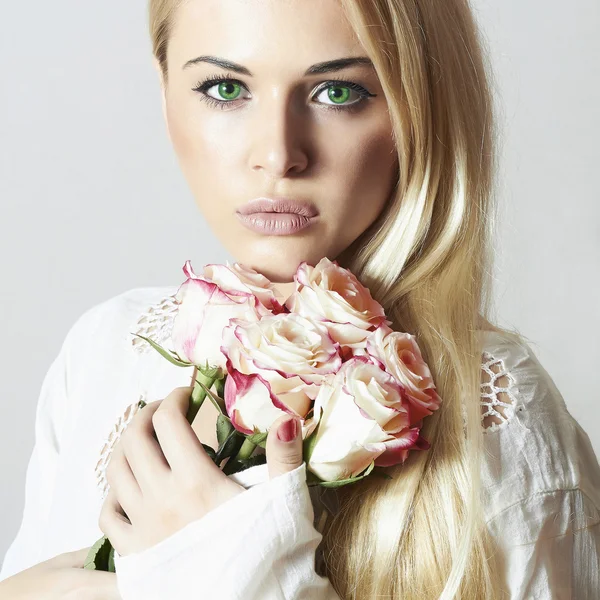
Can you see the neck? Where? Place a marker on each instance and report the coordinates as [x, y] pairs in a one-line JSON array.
[[285, 290]]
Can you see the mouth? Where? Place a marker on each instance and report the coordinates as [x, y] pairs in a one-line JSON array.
[[275, 223], [279, 205], [278, 215]]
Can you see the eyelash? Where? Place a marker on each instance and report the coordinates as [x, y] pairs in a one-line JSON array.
[[211, 80]]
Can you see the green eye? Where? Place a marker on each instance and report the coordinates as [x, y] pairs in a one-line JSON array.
[[335, 95], [338, 93], [229, 90]]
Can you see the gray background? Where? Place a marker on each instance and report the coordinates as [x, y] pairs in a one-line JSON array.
[[93, 202]]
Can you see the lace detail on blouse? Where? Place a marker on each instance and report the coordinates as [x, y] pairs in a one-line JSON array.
[[156, 323], [498, 398], [111, 441]]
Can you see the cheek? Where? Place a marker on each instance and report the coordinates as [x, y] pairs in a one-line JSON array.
[[183, 134], [206, 155], [203, 145], [367, 176]]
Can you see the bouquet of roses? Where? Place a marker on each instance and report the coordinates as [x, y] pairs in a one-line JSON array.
[[326, 354]]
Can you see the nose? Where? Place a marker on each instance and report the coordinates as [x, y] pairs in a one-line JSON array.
[[278, 140]]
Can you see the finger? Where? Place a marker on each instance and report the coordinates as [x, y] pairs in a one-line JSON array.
[[74, 559], [143, 451], [179, 442], [123, 483], [115, 526], [97, 585], [283, 447]]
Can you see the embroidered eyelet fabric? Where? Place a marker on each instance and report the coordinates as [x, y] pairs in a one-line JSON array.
[[541, 479], [499, 399]]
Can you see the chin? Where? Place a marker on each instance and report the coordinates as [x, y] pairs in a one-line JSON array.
[[277, 264], [276, 273]]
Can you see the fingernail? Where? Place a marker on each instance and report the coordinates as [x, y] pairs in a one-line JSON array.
[[287, 431]]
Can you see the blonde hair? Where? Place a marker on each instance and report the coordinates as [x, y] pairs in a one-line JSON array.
[[428, 260]]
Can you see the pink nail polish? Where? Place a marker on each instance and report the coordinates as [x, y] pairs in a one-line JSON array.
[[287, 431]]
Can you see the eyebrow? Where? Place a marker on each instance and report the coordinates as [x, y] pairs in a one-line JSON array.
[[317, 69]]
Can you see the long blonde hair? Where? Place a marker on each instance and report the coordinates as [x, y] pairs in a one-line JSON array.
[[428, 260]]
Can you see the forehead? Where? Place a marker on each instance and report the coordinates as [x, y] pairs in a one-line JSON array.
[[269, 34]]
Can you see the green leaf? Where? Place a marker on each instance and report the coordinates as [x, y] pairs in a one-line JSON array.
[[220, 387], [165, 353], [252, 461], [309, 443], [341, 482], [224, 428], [210, 451], [230, 446], [246, 463], [218, 402], [98, 558], [383, 474], [111, 560]]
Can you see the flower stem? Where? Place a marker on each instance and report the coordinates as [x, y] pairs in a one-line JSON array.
[[246, 450], [199, 393]]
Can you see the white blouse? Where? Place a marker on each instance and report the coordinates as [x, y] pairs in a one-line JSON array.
[[540, 474]]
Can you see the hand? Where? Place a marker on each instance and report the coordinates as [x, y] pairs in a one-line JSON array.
[[59, 578], [160, 484]]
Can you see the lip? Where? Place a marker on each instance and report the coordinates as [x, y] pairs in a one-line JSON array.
[[277, 216], [279, 204]]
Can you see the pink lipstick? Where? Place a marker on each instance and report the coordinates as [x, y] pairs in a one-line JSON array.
[[277, 216]]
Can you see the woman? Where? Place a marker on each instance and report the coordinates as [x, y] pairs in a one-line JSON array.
[[394, 155]]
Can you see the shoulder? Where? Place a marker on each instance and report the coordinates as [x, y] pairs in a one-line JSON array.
[[511, 378], [115, 319], [517, 390], [534, 448], [103, 339]]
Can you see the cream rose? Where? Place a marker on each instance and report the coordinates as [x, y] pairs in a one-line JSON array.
[[204, 310], [361, 417], [275, 366], [238, 278], [401, 356], [333, 294]]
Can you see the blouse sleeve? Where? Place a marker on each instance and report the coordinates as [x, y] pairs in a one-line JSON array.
[[549, 546], [40, 475], [52, 412], [259, 545]]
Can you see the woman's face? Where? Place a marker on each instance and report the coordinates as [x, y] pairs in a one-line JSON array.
[[273, 130]]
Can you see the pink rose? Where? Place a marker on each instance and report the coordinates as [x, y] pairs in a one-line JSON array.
[[333, 294], [362, 417], [275, 366], [204, 310], [239, 278], [400, 355]]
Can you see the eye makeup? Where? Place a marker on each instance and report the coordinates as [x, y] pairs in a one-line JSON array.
[[213, 80]]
